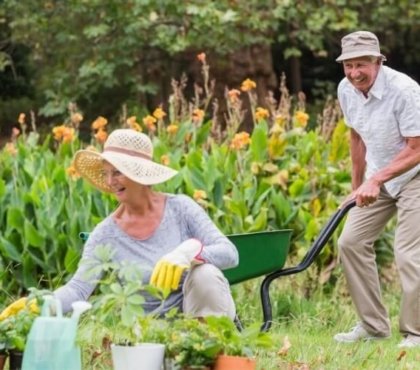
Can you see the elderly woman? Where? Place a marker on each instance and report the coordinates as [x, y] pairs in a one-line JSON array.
[[169, 236]]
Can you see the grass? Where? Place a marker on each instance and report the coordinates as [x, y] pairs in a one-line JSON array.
[[304, 326]]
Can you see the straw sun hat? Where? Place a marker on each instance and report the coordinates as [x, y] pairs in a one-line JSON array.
[[130, 152]]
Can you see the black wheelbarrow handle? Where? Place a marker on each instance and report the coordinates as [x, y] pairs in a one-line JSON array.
[[307, 260]]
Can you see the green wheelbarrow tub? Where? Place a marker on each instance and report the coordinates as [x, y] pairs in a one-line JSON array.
[[260, 253]]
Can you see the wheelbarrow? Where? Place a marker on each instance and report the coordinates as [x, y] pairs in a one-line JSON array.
[[264, 253]]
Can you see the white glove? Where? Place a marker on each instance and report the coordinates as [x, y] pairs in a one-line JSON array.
[[168, 270]]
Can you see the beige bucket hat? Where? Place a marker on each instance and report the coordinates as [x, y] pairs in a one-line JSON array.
[[359, 44], [130, 152]]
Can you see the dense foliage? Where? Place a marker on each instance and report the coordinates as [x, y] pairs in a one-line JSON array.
[[102, 54], [281, 175]]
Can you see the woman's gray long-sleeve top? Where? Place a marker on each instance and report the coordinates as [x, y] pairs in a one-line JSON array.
[[183, 218]]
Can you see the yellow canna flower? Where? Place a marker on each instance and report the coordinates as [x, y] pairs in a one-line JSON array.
[[261, 114], [248, 85], [99, 123], [280, 120], [276, 146], [159, 113], [255, 168], [197, 115], [165, 160], [172, 129], [199, 194], [240, 140], [301, 118]]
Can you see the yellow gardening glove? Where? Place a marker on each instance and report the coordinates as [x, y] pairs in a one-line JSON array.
[[168, 270], [17, 306]]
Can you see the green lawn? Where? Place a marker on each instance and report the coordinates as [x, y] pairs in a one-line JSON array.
[[304, 327]]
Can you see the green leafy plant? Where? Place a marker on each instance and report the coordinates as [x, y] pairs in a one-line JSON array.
[[238, 343], [118, 304], [189, 343]]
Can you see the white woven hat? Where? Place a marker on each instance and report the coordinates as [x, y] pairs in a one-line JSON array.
[[130, 152]]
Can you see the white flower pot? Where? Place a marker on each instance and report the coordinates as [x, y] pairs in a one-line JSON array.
[[144, 356]]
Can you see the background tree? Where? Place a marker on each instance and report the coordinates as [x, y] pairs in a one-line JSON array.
[[103, 54]]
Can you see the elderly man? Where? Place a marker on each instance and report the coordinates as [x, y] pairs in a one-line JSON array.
[[382, 108]]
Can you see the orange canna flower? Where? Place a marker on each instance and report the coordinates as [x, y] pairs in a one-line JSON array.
[[99, 123], [261, 114], [165, 160], [248, 85], [159, 113], [76, 118], [68, 134], [301, 118], [233, 95], [197, 115], [133, 124], [240, 140], [199, 194], [149, 121], [10, 148], [21, 118], [172, 129], [72, 172], [58, 132], [15, 133], [101, 136], [202, 57]]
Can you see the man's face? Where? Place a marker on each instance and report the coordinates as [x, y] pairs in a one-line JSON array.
[[362, 72]]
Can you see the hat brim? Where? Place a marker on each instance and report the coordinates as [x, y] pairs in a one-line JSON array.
[[358, 54], [89, 165]]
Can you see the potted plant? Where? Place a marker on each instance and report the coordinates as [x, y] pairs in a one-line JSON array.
[[238, 347], [189, 344], [15, 330], [118, 309]]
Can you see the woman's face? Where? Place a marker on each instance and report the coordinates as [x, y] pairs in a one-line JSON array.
[[122, 186], [362, 72]]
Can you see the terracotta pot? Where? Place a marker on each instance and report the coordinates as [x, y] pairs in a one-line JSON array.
[[3, 358], [224, 362]]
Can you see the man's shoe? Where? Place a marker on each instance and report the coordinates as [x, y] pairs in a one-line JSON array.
[[410, 341], [357, 333]]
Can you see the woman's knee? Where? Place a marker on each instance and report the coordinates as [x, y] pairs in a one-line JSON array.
[[207, 292]]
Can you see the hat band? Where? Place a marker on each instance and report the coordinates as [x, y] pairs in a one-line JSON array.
[[127, 151]]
